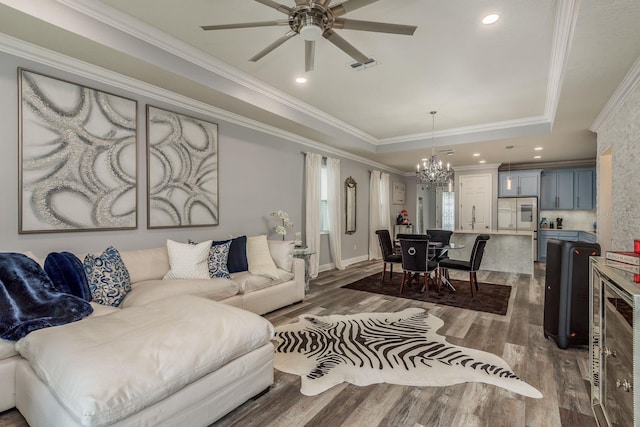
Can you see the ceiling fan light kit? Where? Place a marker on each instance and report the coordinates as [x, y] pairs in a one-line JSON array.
[[314, 20]]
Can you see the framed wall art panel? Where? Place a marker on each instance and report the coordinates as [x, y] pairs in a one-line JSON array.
[[77, 149], [182, 167]]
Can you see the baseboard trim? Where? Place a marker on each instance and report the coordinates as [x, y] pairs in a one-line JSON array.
[[345, 262]]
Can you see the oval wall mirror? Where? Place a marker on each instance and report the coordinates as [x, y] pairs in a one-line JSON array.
[[350, 205]]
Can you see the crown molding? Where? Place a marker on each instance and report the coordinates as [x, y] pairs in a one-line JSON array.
[[142, 31], [626, 87], [468, 130], [566, 18], [492, 166], [46, 57], [246, 88]]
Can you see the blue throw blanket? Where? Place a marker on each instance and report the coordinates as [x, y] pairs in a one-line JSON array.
[[29, 300]]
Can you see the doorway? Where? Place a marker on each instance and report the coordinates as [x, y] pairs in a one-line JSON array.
[[604, 203]]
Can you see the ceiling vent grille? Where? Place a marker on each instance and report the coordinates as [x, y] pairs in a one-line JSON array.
[[358, 66]]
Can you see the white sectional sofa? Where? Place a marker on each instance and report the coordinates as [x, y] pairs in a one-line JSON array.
[[44, 385]]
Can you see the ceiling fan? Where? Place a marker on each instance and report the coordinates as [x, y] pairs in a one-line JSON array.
[[313, 19]]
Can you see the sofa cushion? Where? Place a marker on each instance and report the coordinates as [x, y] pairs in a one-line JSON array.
[[249, 282], [146, 264], [106, 368], [7, 349], [108, 277], [259, 257], [188, 261], [67, 274], [237, 260], [282, 253], [153, 290], [217, 260]]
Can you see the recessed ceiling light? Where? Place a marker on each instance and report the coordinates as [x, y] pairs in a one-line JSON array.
[[301, 80], [537, 157], [483, 161], [538, 148], [491, 19], [476, 154]]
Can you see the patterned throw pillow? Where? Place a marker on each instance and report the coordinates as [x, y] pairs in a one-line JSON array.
[[237, 261], [108, 277], [218, 256]]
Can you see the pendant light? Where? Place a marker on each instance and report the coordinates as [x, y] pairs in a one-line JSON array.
[[509, 147]]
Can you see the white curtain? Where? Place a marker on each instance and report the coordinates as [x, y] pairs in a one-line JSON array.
[[334, 207], [313, 163], [374, 214], [385, 202]]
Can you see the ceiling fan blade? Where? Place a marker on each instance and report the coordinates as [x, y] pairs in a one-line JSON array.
[[246, 25], [272, 46], [302, 3], [323, 3], [349, 5], [380, 27], [309, 54], [345, 46], [277, 6]]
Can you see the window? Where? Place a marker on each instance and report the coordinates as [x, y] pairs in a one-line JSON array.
[[324, 209], [448, 210]]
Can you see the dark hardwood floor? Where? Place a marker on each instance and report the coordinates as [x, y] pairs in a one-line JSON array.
[[561, 375]]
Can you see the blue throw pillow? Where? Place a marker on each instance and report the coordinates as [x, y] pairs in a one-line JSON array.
[[67, 274], [218, 256], [237, 260], [108, 277]]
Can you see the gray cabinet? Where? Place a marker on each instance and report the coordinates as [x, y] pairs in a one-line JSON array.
[[614, 345], [567, 189], [584, 189], [556, 190], [585, 236], [545, 235], [523, 184]]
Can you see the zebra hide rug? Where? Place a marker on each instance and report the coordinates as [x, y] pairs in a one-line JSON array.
[[396, 348]]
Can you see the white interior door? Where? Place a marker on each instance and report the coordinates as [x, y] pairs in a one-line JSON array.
[[475, 202]]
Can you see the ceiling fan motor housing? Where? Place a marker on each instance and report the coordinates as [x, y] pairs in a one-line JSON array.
[[310, 21]]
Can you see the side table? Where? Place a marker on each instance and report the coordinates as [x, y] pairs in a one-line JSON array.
[[303, 252]]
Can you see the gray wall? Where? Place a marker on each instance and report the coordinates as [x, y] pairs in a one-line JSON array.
[[622, 133], [258, 174]]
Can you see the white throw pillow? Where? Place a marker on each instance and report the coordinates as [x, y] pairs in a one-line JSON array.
[[282, 253], [188, 261], [259, 257]]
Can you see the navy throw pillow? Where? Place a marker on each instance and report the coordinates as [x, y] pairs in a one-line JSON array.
[[67, 274], [237, 260]]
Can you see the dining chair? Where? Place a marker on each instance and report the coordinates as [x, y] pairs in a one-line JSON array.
[[473, 265], [415, 261], [443, 237], [389, 255]]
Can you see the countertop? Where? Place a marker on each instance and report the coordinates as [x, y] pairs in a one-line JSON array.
[[494, 232], [569, 229]]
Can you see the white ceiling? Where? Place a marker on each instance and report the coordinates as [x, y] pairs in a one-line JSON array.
[[538, 77]]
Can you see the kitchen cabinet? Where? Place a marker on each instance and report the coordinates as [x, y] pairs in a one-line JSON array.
[[614, 345], [523, 183], [556, 190], [585, 236], [545, 235], [570, 235], [584, 189], [567, 189]]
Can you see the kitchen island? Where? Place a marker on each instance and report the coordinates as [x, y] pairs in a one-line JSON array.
[[506, 250]]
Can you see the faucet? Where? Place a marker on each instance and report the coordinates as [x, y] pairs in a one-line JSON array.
[[473, 217]]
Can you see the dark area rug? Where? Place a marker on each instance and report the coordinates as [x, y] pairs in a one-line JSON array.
[[491, 298]]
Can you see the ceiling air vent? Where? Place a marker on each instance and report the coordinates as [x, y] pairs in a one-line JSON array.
[[357, 66]]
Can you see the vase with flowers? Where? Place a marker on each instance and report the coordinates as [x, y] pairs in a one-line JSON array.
[[282, 228]]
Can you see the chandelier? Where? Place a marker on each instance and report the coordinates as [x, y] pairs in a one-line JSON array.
[[431, 172]]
